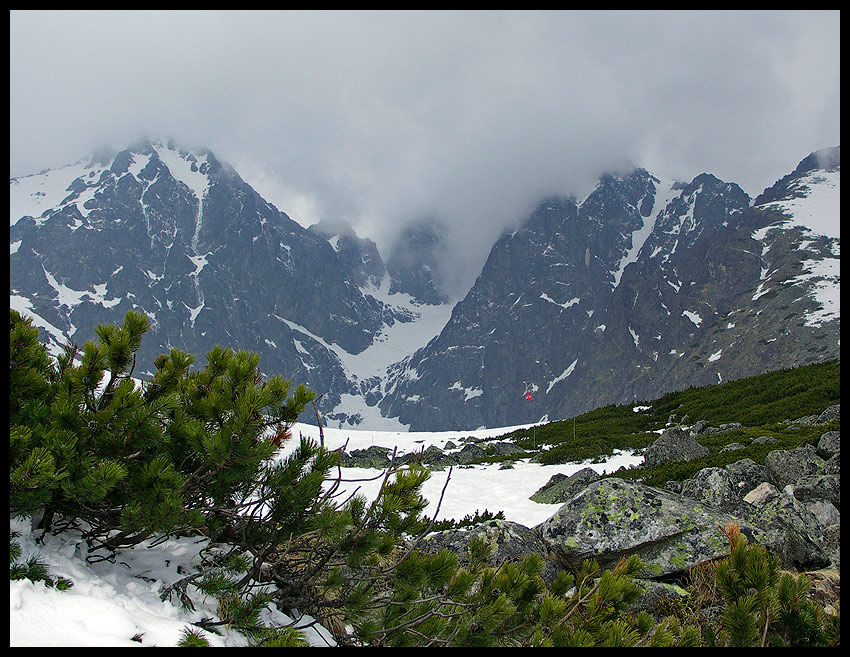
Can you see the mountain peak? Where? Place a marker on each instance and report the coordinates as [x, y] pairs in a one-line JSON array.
[[794, 185], [101, 157], [146, 144], [828, 159], [646, 286], [332, 226]]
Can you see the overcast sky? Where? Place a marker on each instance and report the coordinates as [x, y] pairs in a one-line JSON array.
[[383, 117]]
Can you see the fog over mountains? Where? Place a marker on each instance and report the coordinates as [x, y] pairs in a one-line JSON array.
[[644, 286]]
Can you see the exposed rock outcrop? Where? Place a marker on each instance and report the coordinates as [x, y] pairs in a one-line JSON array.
[[510, 541], [615, 517], [790, 505], [673, 445], [561, 488]]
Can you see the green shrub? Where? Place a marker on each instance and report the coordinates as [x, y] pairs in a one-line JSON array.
[[194, 452], [192, 638], [765, 607]]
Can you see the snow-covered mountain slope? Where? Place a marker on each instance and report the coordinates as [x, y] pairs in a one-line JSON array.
[[646, 285], [368, 370], [180, 236], [38, 193], [807, 207]]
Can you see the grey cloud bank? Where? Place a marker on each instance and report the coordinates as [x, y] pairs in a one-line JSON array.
[[384, 117]]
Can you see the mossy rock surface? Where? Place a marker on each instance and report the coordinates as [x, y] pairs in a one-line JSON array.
[[614, 517], [510, 541], [560, 488]]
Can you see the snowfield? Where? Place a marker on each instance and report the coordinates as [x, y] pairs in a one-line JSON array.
[[117, 604]]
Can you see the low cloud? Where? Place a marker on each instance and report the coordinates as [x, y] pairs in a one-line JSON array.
[[382, 118]]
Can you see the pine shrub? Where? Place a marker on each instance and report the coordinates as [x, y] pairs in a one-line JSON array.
[[765, 607], [191, 637], [191, 451]]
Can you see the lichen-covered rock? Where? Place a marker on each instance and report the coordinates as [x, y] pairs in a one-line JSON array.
[[470, 453], [833, 465], [560, 488], [826, 513], [432, 451], [712, 486], [745, 475], [673, 445], [673, 486], [371, 457], [831, 413], [502, 448], [831, 544], [510, 541], [762, 494], [730, 426], [723, 487], [810, 488], [786, 466], [697, 428], [785, 527], [614, 517], [829, 444], [764, 439]]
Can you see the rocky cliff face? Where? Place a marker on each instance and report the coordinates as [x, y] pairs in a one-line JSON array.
[[180, 236], [417, 260], [645, 286]]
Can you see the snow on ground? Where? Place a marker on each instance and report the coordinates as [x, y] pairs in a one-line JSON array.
[[479, 488], [110, 604]]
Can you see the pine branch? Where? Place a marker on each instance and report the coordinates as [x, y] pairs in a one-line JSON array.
[[582, 600], [427, 530]]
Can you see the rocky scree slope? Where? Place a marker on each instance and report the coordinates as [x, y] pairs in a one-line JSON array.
[[790, 505]]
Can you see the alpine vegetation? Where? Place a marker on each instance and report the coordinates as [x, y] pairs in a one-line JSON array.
[[120, 463]]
